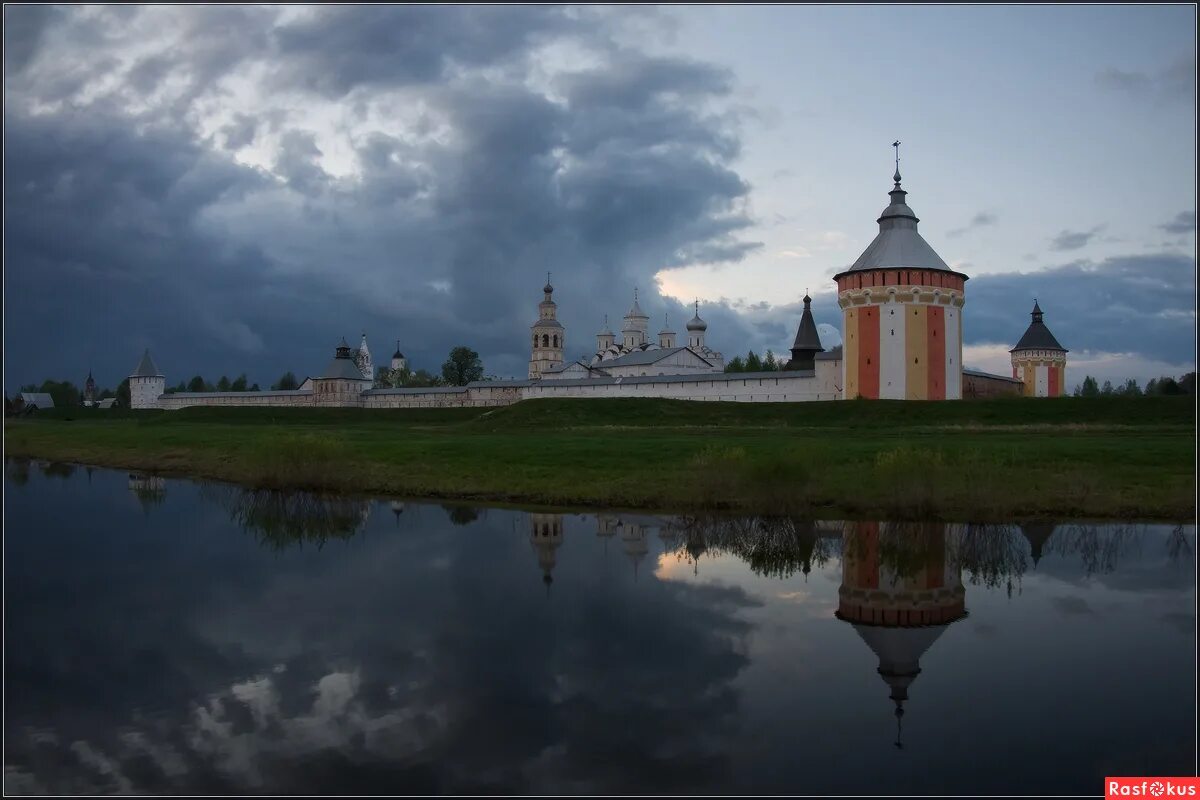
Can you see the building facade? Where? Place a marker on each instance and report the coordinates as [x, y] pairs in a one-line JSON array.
[[549, 336]]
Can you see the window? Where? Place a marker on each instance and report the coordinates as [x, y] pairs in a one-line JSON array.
[[556, 340], [545, 340]]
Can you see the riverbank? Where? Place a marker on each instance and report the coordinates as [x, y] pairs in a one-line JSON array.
[[987, 459]]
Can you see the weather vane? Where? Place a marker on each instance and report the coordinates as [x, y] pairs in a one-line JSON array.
[[896, 144]]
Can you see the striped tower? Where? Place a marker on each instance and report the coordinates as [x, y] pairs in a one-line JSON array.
[[902, 314], [1039, 360]]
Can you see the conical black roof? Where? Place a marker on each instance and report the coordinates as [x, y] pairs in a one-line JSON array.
[[1037, 335], [806, 335]]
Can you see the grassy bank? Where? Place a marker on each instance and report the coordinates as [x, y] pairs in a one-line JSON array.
[[1103, 457]]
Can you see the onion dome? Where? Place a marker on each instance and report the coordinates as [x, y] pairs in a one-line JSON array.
[[397, 354], [695, 323], [1037, 335]]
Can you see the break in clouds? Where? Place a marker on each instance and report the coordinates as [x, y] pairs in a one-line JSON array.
[[238, 188]]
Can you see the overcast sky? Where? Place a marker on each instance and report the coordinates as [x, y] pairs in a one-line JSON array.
[[237, 188]]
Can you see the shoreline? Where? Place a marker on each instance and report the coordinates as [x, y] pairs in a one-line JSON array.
[[978, 460]]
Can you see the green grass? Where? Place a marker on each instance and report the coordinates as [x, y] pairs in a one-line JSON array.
[[987, 459]]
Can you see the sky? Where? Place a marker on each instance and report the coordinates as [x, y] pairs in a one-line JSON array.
[[237, 188]]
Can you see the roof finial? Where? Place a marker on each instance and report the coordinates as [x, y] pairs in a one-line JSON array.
[[697, 306], [896, 177], [635, 294]]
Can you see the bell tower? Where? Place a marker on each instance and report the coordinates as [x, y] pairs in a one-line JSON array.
[[548, 335]]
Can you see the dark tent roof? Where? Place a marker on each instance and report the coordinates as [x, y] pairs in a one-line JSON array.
[[1037, 335], [806, 335], [146, 368]]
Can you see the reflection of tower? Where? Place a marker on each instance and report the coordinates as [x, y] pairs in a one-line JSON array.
[[397, 509], [1037, 534], [546, 536], [633, 539], [899, 591], [606, 528], [150, 490]]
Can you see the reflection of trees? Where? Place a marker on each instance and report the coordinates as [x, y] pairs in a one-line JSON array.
[[992, 554], [461, 515], [18, 471], [150, 490], [775, 547], [56, 469], [280, 519]]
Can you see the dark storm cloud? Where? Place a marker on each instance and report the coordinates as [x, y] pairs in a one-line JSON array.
[[1073, 240], [23, 30], [1175, 82], [1184, 223], [1133, 304], [134, 223], [980, 220]]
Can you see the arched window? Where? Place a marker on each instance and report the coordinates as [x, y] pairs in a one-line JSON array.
[[545, 340], [535, 340], [556, 340]]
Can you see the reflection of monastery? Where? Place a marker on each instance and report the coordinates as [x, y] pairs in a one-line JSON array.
[[902, 322]]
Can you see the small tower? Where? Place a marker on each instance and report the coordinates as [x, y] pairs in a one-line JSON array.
[[666, 337], [808, 342], [146, 384], [901, 313], [89, 390], [604, 339], [1039, 360], [362, 359], [546, 536], [548, 335], [696, 328], [343, 382], [633, 541], [399, 362], [633, 333]]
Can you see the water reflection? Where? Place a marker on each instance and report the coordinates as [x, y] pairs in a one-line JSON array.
[[202, 647]]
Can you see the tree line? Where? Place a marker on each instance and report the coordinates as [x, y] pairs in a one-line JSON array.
[[755, 363], [1165, 385]]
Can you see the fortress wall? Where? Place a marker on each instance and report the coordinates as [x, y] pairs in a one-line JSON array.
[[172, 402], [781, 387]]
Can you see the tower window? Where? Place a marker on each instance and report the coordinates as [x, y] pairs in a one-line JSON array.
[[545, 340], [556, 340]]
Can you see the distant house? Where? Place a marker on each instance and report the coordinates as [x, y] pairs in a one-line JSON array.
[[37, 400], [108, 403]]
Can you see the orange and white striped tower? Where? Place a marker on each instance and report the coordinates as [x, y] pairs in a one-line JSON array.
[[901, 314], [1039, 360]]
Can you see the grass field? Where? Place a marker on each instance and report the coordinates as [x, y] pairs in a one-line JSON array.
[[965, 460]]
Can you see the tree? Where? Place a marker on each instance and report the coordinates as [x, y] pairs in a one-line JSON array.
[[753, 362], [462, 367], [735, 364], [254, 388], [1151, 387], [286, 383], [1130, 389], [423, 378], [1188, 383], [1107, 390], [196, 384], [63, 393], [383, 378], [238, 385], [1090, 387], [123, 394], [223, 384], [769, 363]]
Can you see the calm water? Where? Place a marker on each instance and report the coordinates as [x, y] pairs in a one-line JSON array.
[[167, 636]]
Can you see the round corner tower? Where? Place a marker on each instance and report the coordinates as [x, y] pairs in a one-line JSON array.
[[902, 314], [1039, 361], [548, 335], [146, 384]]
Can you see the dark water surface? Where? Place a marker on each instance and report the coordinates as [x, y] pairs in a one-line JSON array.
[[167, 636]]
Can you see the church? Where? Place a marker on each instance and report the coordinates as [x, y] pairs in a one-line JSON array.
[[902, 322]]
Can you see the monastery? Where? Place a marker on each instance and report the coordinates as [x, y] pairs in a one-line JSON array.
[[902, 323]]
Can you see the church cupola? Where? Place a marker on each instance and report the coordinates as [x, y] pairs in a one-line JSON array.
[[604, 338], [634, 331], [666, 337], [399, 362], [696, 329]]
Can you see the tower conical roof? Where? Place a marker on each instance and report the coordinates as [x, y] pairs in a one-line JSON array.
[[146, 367], [1037, 336], [636, 310], [807, 337], [898, 245]]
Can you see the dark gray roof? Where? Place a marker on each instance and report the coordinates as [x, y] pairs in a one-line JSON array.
[[639, 357], [807, 337], [835, 354], [1037, 335], [546, 323], [146, 368], [40, 399], [898, 245], [343, 368]]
